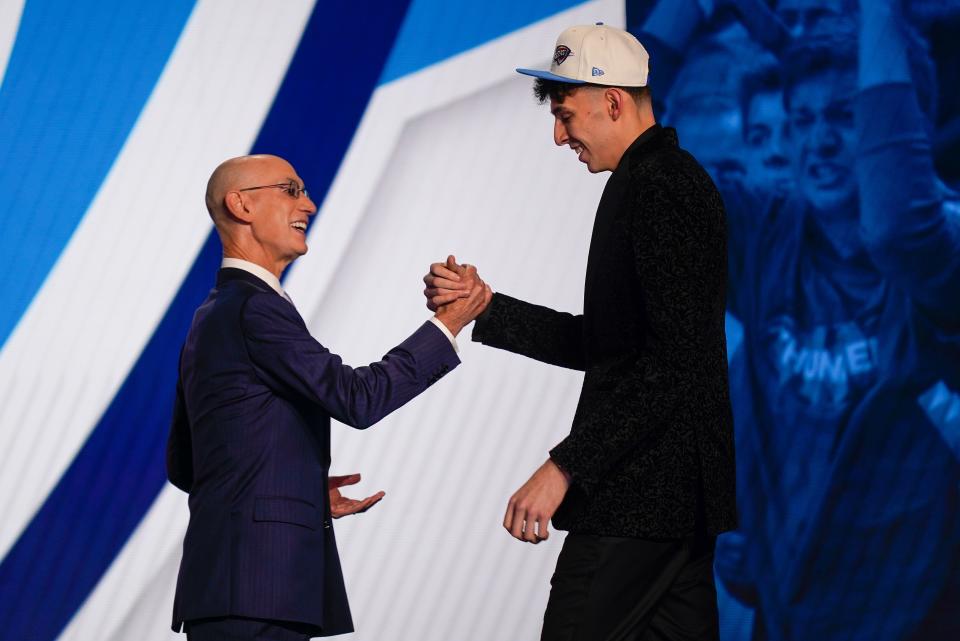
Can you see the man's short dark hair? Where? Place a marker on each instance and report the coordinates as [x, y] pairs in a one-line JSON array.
[[558, 91], [807, 60]]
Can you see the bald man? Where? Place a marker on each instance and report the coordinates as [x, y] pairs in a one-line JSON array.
[[250, 437]]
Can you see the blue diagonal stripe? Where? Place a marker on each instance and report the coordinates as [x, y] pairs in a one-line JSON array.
[[78, 76], [118, 473], [435, 30]]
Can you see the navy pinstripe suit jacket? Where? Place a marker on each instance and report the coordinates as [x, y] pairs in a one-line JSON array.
[[250, 442]]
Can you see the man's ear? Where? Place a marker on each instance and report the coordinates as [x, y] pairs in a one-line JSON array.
[[613, 100], [237, 206]]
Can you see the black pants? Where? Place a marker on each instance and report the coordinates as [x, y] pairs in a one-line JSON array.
[[244, 629], [625, 589]]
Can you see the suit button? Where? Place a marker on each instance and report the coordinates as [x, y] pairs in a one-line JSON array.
[[326, 524]]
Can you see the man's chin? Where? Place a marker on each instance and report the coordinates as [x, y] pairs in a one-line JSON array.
[[294, 253], [829, 199], [595, 170]]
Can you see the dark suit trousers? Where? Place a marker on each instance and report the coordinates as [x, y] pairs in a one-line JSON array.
[[244, 629], [608, 588]]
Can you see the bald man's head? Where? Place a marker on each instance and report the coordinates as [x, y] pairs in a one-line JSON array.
[[261, 209], [239, 173]]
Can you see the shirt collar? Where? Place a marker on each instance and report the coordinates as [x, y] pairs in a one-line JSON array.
[[263, 274]]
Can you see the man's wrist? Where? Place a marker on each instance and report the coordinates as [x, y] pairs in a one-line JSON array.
[[452, 327], [566, 475], [482, 316], [447, 331]]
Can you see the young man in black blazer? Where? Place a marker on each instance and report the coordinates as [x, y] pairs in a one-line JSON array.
[[645, 480]]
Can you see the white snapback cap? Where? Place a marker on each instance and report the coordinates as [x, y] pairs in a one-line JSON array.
[[599, 55]]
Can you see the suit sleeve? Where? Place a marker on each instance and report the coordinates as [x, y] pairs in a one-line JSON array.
[[538, 332], [179, 445], [680, 259], [291, 362]]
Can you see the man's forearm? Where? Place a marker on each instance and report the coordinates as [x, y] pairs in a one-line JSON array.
[[882, 45], [904, 222], [534, 331]]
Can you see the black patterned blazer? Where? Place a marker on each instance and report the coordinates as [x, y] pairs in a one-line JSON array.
[[651, 446]]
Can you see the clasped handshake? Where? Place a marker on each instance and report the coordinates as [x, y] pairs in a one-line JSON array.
[[455, 293]]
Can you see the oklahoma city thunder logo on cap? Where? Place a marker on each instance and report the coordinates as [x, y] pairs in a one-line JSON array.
[[604, 56]]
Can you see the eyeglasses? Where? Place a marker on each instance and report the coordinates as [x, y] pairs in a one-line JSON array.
[[292, 188]]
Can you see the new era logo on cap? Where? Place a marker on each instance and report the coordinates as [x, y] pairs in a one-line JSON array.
[[599, 55]]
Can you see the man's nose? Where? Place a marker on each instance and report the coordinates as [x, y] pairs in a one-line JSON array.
[[780, 144], [826, 139], [308, 205], [560, 136]]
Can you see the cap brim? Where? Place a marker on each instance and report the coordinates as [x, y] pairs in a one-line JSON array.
[[546, 75]]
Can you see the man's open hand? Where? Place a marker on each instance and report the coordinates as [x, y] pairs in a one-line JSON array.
[[532, 506], [341, 505]]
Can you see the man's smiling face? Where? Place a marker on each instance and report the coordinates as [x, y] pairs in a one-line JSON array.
[[581, 121], [280, 221]]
